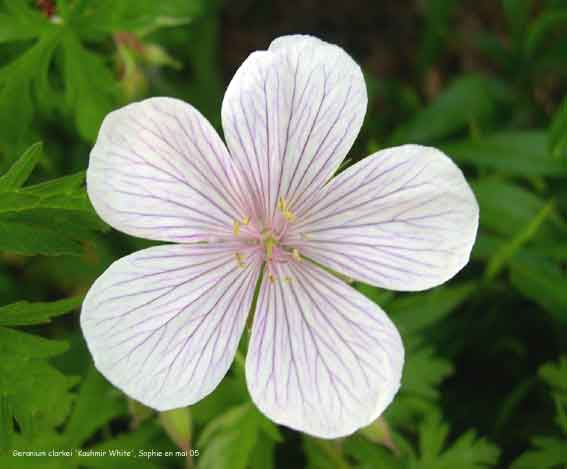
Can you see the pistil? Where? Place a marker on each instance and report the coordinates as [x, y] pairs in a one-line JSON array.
[[269, 243]]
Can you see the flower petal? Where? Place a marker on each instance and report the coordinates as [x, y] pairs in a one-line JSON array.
[[160, 171], [404, 219], [322, 358], [290, 115], [163, 324]]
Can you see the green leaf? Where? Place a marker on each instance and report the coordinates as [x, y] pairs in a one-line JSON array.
[[438, 15], [432, 436], [96, 405], [517, 15], [48, 231], [38, 395], [20, 171], [90, 89], [20, 22], [542, 28], [555, 374], [72, 185], [524, 235], [143, 438], [6, 424], [469, 100], [423, 372], [415, 312], [22, 201], [490, 44], [11, 31], [262, 456], [550, 452], [521, 153], [547, 453], [178, 425], [542, 282], [467, 452], [205, 90], [230, 393], [51, 218], [379, 296], [28, 346], [229, 440], [24, 313], [547, 255], [18, 80], [558, 133], [370, 455], [323, 454], [505, 207], [139, 16]]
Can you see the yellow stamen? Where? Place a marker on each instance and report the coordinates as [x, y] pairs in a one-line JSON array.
[[271, 277], [289, 216], [237, 224], [286, 212], [287, 279], [240, 260], [295, 254]]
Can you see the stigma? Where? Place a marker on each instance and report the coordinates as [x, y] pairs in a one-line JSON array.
[[269, 243]]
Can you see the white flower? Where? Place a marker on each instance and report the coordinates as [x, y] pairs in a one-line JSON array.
[[163, 324]]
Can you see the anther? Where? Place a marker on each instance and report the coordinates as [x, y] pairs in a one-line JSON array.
[[271, 277], [286, 212], [295, 254], [238, 223], [287, 279], [239, 260]]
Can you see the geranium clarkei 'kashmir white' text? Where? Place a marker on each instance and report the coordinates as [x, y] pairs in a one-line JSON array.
[[163, 324]]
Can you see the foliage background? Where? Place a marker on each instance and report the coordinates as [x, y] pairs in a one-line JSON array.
[[485, 384]]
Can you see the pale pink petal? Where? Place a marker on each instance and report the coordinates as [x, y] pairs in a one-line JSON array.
[[290, 115], [160, 171], [163, 324], [403, 219], [322, 359]]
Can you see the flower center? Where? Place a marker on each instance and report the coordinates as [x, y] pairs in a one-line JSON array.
[[269, 239]]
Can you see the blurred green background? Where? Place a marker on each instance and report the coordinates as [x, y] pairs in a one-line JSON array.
[[485, 383]]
